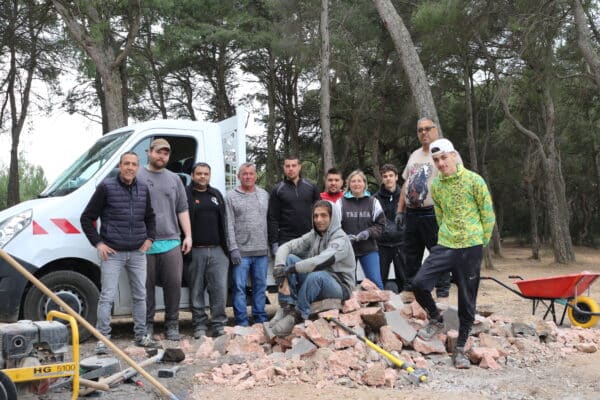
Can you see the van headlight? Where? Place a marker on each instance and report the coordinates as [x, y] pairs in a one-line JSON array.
[[11, 226]]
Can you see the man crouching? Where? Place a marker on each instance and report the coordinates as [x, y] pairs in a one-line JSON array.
[[318, 265]]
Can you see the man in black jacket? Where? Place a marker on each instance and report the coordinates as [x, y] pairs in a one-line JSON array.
[[127, 231], [391, 241], [290, 205], [210, 263]]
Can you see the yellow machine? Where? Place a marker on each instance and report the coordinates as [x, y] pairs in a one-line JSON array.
[[42, 344]]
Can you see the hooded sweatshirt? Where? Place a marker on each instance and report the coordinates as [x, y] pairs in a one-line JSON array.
[[360, 214], [315, 248]]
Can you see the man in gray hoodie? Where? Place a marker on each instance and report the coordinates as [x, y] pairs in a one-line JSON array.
[[318, 265], [247, 207]]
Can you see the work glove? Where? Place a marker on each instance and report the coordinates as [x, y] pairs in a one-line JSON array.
[[236, 257], [274, 248], [363, 235], [400, 220], [352, 238], [282, 271]]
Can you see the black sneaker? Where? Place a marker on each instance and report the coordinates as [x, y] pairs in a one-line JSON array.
[[216, 331], [173, 332], [145, 341], [432, 328], [199, 333], [460, 359]]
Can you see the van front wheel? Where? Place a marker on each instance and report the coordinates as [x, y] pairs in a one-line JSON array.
[[75, 289]]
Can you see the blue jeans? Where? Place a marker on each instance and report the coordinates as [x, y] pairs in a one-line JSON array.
[[370, 266], [135, 264], [257, 268], [308, 288]]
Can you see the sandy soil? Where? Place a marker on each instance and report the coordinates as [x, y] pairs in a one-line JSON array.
[[557, 376]]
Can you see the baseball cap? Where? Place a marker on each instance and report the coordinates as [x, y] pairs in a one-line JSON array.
[[441, 146], [158, 144]]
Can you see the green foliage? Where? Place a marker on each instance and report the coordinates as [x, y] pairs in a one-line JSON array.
[[31, 178], [194, 57]]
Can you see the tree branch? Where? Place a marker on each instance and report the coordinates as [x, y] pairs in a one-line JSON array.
[[530, 134], [584, 42], [134, 28]]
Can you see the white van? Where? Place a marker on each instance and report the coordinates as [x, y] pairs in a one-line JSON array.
[[45, 235]]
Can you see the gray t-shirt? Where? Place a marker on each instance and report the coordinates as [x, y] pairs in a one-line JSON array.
[[168, 198]]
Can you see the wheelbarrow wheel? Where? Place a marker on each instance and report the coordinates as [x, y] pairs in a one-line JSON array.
[[584, 320]]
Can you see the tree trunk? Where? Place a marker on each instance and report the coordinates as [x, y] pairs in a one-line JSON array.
[[224, 109], [558, 222], [584, 43], [469, 108], [326, 142], [530, 171], [411, 62], [18, 109], [99, 47], [596, 145], [496, 241], [271, 168]]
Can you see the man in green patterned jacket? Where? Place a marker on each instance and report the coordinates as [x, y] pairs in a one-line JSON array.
[[465, 215]]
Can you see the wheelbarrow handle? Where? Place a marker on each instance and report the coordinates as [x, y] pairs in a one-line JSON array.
[[491, 278]]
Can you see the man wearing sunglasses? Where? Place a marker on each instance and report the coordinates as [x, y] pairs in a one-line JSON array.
[[415, 209]]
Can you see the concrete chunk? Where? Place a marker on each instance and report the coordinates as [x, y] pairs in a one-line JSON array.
[[366, 284], [400, 326], [375, 375], [301, 347], [417, 311], [394, 303], [429, 346], [389, 340], [351, 304], [325, 304], [451, 321], [343, 342], [319, 332], [373, 296]]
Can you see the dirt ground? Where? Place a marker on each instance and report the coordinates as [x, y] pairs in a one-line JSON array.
[[551, 376]]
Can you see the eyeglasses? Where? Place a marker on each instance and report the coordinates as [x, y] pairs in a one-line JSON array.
[[425, 129]]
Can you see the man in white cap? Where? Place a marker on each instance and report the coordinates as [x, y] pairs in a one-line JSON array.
[[465, 215]]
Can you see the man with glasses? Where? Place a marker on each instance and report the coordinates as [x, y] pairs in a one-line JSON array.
[[415, 208]]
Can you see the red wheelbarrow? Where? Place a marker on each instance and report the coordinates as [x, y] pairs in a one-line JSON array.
[[583, 311]]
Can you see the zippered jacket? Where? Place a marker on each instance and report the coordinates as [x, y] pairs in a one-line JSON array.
[[126, 215], [290, 210], [463, 209]]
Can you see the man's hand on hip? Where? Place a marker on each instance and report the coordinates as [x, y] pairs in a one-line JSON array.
[[104, 251], [146, 245]]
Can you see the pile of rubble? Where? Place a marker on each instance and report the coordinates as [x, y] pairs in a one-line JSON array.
[[321, 353]]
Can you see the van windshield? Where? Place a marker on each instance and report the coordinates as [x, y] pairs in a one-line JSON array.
[[86, 166]]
